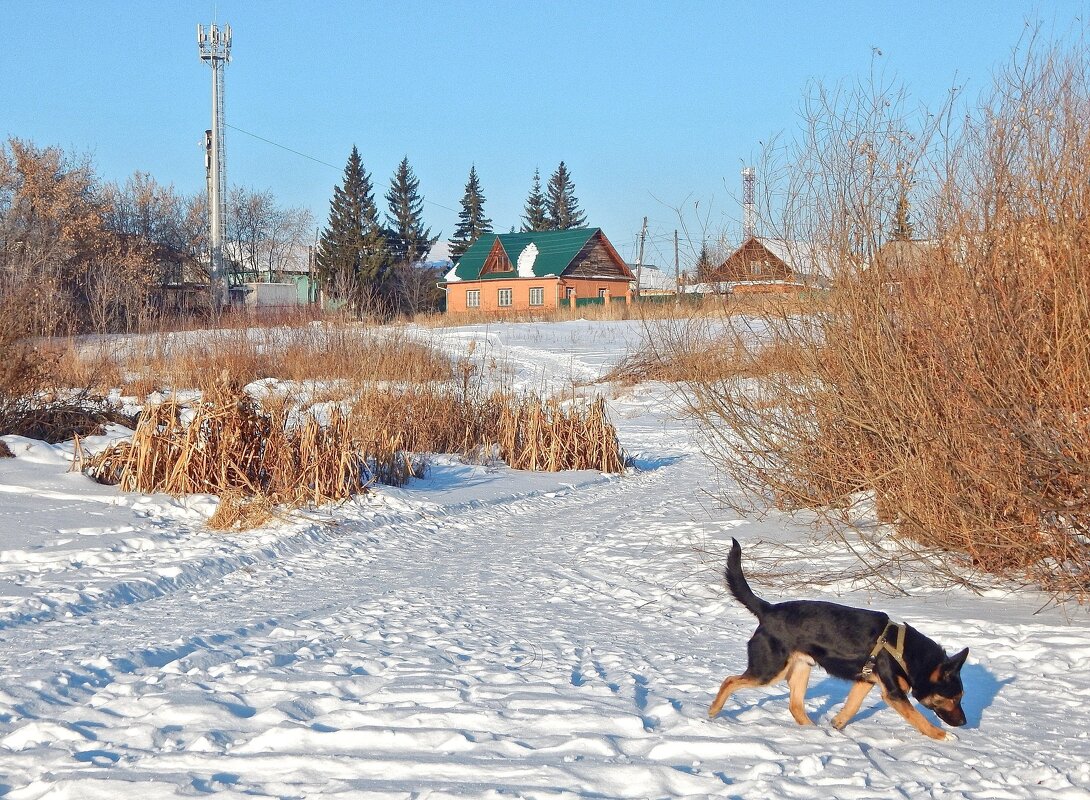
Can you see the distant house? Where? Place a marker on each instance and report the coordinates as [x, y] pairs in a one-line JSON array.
[[767, 265], [537, 271], [905, 266], [653, 281]]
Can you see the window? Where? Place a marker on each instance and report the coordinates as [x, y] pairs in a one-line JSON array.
[[571, 293], [473, 298], [503, 298], [602, 293], [537, 296]]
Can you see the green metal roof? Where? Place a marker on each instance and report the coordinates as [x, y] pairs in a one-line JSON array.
[[556, 250]]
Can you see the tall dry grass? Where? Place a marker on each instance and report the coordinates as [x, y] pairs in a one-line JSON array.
[[948, 384], [191, 360]]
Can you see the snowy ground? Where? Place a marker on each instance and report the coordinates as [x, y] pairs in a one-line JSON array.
[[479, 633]]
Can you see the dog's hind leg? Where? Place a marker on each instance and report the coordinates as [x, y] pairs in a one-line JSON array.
[[768, 663], [798, 677], [858, 693], [729, 687]]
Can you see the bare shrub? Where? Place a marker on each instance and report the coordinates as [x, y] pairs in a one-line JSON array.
[[948, 376]]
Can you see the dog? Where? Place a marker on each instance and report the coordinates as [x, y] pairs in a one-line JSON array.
[[853, 644]]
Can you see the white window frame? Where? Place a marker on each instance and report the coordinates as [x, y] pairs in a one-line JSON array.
[[500, 297], [537, 295], [602, 294], [473, 298]]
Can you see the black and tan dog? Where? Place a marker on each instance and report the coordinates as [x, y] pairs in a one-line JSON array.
[[850, 643]]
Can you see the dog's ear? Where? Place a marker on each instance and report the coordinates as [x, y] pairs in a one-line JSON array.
[[954, 663]]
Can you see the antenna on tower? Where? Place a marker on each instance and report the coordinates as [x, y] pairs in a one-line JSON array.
[[749, 215], [214, 45]]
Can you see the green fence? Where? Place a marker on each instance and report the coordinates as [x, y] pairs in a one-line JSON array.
[[589, 301]]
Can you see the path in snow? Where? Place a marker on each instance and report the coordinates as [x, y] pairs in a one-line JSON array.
[[546, 643]]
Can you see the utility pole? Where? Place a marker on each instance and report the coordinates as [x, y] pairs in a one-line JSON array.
[[214, 46], [677, 273], [639, 258]]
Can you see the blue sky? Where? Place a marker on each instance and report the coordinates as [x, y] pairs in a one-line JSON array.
[[651, 105]]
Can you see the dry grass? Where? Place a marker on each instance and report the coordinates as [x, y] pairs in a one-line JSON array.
[[227, 445], [263, 457], [706, 351], [316, 352], [547, 435]]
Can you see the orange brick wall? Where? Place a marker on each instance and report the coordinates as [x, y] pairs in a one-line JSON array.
[[588, 287], [520, 292]]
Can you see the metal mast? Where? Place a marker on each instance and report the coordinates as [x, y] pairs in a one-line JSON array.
[[749, 216], [214, 45]]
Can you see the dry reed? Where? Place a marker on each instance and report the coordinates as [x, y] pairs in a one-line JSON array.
[[227, 445]]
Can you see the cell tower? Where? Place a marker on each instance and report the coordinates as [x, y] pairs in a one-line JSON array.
[[214, 45], [749, 215]]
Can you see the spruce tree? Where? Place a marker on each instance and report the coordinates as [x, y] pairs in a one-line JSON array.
[[563, 207], [472, 223], [410, 241], [902, 224], [703, 262], [536, 217], [353, 260]]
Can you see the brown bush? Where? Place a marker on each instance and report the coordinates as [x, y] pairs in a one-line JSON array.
[[951, 385]]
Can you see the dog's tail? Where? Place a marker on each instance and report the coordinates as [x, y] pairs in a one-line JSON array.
[[738, 586]]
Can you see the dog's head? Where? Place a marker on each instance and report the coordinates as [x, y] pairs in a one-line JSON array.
[[943, 696]]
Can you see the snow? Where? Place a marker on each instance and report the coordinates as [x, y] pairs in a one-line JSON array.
[[526, 261], [480, 633]]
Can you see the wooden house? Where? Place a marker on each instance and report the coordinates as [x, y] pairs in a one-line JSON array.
[[766, 265], [537, 271]]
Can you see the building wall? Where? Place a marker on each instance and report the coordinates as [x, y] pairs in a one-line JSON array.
[[520, 292], [489, 289], [589, 287], [767, 288], [272, 295]]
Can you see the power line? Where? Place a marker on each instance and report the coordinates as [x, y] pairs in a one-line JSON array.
[[282, 147], [318, 160]]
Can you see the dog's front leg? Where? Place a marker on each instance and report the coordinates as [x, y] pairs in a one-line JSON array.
[[904, 707], [858, 693]]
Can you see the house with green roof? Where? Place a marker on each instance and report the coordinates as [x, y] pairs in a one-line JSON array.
[[537, 271]]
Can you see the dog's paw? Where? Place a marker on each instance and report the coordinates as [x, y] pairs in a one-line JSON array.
[[949, 737]]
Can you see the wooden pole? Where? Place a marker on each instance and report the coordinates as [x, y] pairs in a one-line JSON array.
[[677, 273], [639, 258]]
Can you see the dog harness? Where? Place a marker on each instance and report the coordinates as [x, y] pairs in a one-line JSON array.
[[897, 650]]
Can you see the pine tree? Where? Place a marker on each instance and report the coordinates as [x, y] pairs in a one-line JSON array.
[[410, 241], [352, 259], [563, 207], [472, 223], [536, 217]]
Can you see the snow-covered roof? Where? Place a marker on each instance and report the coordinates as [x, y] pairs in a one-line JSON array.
[[806, 259], [653, 279]]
